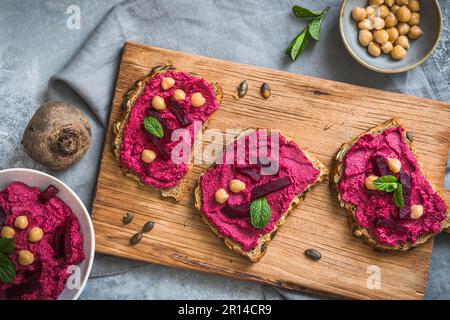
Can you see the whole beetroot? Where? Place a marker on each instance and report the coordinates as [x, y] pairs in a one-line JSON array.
[[57, 135]]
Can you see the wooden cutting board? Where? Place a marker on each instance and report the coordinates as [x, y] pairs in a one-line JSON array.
[[320, 115]]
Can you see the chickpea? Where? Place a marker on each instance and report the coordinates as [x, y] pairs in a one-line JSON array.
[[389, 3], [21, 222], [167, 83], [179, 95], [384, 11], [148, 156], [8, 232], [402, 2], [403, 14], [221, 196], [415, 19], [395, 8], [365, 37], [391, 20], [366, 24], [158, 103], [393, 34], [374, 49], [398, 53], [416, 211], [402, 41], [414, 5], [378, 23], [371, 11], [368, 182], [394, 165], [381, 36], [358, 14], [376, 2], [35, 234], [236, 185], [415, 32], [197, 100], [25, 257], [403, 28], [387, 47]]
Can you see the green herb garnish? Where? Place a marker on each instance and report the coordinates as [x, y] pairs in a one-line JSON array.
[[391, 184], [298, 45], [260, 213], [7, 268], [154, 127]]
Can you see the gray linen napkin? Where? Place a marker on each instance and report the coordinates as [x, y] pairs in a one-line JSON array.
[[254, 32]]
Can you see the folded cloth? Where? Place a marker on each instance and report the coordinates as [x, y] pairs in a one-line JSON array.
[[254, 32]]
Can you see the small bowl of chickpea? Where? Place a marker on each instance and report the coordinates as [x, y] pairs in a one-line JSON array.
[[390, 36]]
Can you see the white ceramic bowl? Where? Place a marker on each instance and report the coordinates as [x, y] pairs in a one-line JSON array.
[[41, 180]]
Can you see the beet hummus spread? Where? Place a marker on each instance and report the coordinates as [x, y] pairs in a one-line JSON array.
[[295, 173], [376, 210], [162, 172], [59, 243]]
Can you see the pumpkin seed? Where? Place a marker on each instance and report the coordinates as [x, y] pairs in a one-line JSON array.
[[409, 136], [136, 238], [128, 217], [313, 254], [265, 91], [242, 89], [148, 226]]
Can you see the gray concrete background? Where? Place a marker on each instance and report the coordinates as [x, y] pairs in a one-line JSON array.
[[35, 43]]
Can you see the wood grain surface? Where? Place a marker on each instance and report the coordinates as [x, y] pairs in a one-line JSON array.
[[320, 115]]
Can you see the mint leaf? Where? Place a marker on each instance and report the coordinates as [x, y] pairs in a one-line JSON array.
[[6, 245], [298, 45], [301, 12], [260, 213], [153, 126], [314, 27], [386, 183], [398, 196], [7, 269]]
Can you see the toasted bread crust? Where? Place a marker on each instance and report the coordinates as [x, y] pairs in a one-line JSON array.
[[335, 177], [130, 98], [258, 252]]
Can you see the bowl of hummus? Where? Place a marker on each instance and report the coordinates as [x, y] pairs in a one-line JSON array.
[[47, 239]]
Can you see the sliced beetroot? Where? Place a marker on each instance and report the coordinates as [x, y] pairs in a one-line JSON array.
[[58, 242], [2, 217], [179, 112], [30, 284], [380, 167], [269, 187], [159, 143], [67, 238], [390, 224], [62, 240], [405, 180], [236, 211], [48, 193], [252, 173]]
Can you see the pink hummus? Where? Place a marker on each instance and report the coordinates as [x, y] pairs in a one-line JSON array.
[[378, 206], [163, 173], [45, 278], [292, 163]]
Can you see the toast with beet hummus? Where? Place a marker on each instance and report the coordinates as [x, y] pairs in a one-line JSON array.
[[160, 104], [245, 201], [391, 204]]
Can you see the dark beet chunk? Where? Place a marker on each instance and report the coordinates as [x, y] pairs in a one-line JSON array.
[[272, 186], [380, 167], [48, 193], [58, 242], [406, 184], [31, 284], [236, 211], [255, 175], [2, 217], [67, 239], [390, 224], [179, 113], [158, 143]]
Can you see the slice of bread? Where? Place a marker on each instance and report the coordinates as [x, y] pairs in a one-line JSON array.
[[258, 252], [336, 175], [130, 98]]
